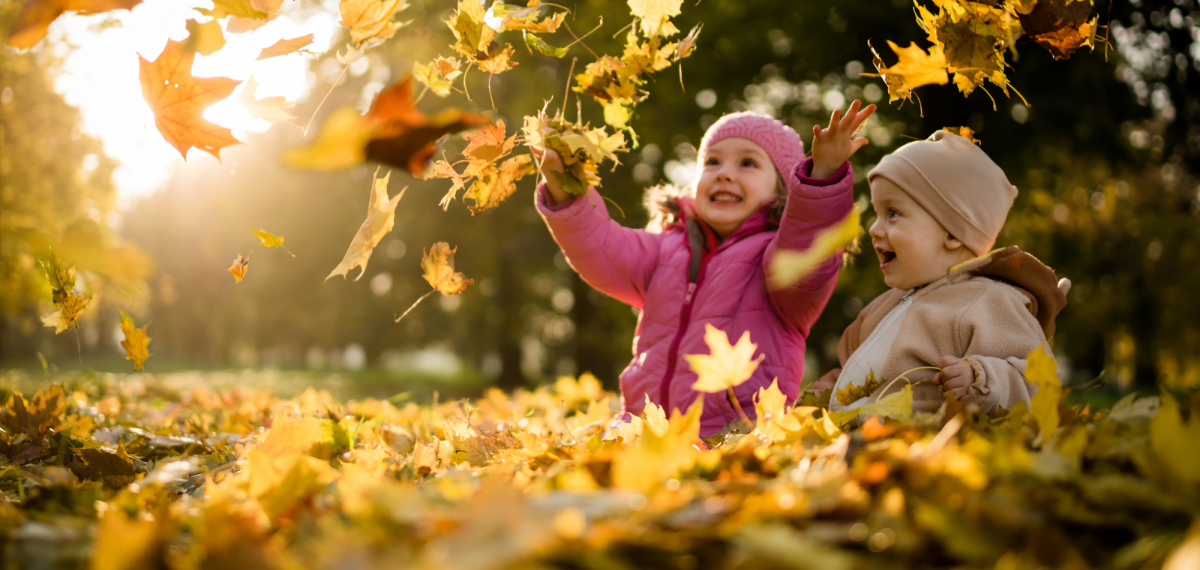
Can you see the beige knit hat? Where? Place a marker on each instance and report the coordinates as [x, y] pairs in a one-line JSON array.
[[955, 182]]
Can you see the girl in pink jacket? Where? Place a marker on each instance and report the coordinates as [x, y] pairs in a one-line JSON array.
[[756, 193]]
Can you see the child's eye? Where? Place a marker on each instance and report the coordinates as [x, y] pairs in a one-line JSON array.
[[711, 162], [749, 162], [892, 213]]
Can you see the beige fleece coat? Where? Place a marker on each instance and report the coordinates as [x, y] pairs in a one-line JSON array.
[[991, 311]]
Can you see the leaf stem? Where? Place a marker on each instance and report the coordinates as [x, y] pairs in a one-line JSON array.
[[421, 94], [562, 111], [414, 305], [323, 99], [738, 406], [78, 346], [580, 38]]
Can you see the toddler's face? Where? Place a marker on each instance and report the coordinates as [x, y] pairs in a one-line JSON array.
[[737, 179], [913, 248]]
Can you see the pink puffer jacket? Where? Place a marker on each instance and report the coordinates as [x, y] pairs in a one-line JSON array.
[[651, 272]]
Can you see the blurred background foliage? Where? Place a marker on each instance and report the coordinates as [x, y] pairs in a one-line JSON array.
[[1105, 157]]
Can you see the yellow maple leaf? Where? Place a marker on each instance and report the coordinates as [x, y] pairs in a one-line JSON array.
[[498, 61], [438, 265], [178, 101], [271, 240], [656, 457], [127, 542], [726, 365], [340, 144], [1042, 371], [772, 419], [381, 216], [239, 267], [489, 143], [288, 436], [204, 39], [655, 418], [285, 47], [36, 16], [1169, 434], [368, 19], [655, 16], [136, 343], [788, 267], [69, 310], [430, 75], [471, 33], [494, 185], [915, 68]]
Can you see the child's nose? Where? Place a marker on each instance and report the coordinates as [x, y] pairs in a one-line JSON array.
[[876, 230]]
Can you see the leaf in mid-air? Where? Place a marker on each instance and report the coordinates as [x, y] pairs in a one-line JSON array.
[[204, 39], [244, 15], [36, 16], [70, 303], [1061, 26], [69, 310], [488, 143], [525, 19], [498, 60], [788, 267], [270, 109], [285, 47], [544, 48], [403, 136], [655, 16], [471, 33], [370, 19], [178, 101], [915, 68], [381, 216], [438, 265], [269, 239], [340, 144], [430, 76], [136, 343], [239, 267], [726, 365]]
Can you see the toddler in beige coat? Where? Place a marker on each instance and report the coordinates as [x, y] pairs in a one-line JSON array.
[[954, 303]]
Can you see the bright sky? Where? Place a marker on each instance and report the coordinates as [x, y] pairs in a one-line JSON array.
[[100, 76]]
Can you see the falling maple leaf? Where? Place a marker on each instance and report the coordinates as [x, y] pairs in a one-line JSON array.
[[544, 48], [403, 136], [136, 343], [239, 267], [36, 16], [472, 35], [655, 16], [370, 19], [204, 39], [285, 47], [381, 216], [438, 267], [244, 15], [270, 109], [788, 267], [430, 75], [915, 68], [726, 366], [271, 240], [70, 303], [178, 101], [1060, 26], [525, 19], [498, 60], [340, 144]]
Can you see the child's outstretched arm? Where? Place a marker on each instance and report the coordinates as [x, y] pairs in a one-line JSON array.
[[820, 194], [616, 260]]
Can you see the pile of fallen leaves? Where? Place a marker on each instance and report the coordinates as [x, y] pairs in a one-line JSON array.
[[138, 472]]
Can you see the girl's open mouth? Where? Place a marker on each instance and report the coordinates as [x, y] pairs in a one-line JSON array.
[[725, 198]]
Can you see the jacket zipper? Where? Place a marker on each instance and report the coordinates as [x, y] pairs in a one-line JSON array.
[[685, 318]]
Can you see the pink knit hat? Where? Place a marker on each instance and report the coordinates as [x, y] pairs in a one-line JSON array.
[[780, 141]]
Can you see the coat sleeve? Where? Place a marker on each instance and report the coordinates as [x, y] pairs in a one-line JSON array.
[[812, 205], [996, 332], [616, 260]]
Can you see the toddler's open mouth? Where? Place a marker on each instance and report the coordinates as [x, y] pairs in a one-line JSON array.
[[885, 257]]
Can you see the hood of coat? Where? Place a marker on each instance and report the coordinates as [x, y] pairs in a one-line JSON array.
[[1019, 269]]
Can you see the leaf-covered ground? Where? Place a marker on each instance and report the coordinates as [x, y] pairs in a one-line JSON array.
[[168, 472]]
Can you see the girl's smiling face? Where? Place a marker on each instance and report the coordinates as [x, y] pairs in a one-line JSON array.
[[913, 248], [737, 179]]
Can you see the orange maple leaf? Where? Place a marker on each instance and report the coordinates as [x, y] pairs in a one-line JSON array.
[[37, 15], [403, 136], [178, 101]]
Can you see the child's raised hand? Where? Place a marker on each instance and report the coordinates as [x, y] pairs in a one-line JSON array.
[[549, 162], [834, 144], [956, 376]]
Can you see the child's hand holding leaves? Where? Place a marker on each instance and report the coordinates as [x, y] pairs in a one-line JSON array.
[[834, 144], [548, 163], [956, 376]]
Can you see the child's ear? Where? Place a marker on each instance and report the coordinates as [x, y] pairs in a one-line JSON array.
[[953, 244]]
